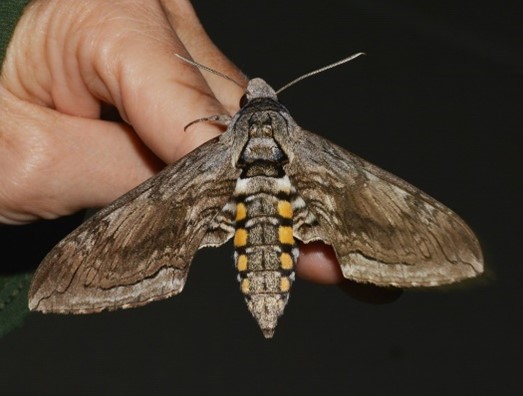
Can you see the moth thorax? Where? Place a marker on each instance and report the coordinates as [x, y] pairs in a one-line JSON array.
[[262, 149], [260, 125]]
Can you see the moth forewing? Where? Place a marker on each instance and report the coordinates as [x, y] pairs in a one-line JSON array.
[[139, 248], [264, 183]]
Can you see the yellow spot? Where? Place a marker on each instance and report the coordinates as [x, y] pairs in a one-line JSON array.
[[285, 209], [242, 262], [241, 211], [240, 237], [286, 261], [245, 286], [285, 234], [285, 284]]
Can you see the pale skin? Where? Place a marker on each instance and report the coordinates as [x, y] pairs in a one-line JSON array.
[[69, 59]]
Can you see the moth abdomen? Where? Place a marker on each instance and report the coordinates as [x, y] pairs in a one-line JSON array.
[[265, 252], [265, 249]]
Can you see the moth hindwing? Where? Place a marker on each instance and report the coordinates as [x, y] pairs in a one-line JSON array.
[[265, 183]]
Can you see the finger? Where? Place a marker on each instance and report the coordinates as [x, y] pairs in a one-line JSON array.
[[317, 263], [160, 98], [191, 33], [110, 159], [47, 175]]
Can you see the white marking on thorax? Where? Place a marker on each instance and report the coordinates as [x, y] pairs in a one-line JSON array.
[[255, 184]]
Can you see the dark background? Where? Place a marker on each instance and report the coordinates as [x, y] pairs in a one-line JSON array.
[[437, 101]]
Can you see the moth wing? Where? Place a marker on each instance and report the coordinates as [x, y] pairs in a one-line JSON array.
[[383, 230], [139, 248]]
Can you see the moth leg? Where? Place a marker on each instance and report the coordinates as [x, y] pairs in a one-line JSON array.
[[221, 228], [221, 119], [306, 227]]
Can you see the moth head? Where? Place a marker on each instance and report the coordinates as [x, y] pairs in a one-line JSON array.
[[257, 88]]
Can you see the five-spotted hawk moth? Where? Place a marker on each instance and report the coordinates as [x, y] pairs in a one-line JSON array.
[[265, 183]]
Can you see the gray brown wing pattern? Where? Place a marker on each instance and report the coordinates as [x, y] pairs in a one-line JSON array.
[[383, 230], [139, 248]]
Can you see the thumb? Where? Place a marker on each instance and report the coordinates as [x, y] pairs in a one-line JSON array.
[[157, 93], [159, 106]]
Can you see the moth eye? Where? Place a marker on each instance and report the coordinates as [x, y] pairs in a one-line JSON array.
[[243, 101]]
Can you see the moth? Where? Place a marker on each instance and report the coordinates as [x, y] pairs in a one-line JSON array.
[[265, 183]]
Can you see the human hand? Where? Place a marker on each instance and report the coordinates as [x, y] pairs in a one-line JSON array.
[[67, 60]]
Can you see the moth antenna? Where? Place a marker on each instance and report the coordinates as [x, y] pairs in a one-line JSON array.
[[208, 69], [312, 73], [221, 119]]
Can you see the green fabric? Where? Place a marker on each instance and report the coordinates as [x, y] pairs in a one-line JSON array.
[[13, 288], [13, 301], [10, 12]]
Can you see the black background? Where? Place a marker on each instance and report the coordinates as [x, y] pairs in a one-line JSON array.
[[437, 101]]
